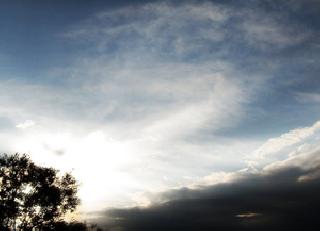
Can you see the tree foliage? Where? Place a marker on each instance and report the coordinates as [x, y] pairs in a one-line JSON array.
[[32, 196]]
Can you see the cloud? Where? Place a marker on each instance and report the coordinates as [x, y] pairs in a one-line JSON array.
[[190, 30], [276, 201], [281, 195], [262, 31], [26, 124], [305, 157], [155, 107], [154, 27], [295, 136]]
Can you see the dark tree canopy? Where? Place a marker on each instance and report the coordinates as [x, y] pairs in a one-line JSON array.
[[64, 226], [32, 196]]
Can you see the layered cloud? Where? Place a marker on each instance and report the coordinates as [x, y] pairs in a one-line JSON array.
[[282, 196]]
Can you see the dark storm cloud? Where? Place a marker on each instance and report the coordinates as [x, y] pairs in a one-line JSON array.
[[277, 201]]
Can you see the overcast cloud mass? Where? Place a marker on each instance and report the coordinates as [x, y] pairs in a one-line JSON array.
[[172, 115]]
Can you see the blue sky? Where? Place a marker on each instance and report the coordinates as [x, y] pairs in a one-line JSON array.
[[146, 96]]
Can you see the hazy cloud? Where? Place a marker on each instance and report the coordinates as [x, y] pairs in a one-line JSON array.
[[26, 124]]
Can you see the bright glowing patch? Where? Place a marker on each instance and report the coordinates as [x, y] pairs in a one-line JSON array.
[[26, 124], [97, 161], [248, 215]]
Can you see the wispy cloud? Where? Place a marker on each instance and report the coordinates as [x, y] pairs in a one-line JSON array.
[[155, 27], [264, 31], [295, 136], [190, 30]]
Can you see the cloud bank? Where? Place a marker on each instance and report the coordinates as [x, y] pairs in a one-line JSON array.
[[283, 196]]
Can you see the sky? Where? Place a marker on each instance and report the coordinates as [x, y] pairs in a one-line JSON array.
[[151, 102]]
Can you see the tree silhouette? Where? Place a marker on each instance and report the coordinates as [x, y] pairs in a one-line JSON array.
[[33, 197], [64, 226]]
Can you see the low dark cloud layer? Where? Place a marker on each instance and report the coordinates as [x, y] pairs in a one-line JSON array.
[[274, 201]]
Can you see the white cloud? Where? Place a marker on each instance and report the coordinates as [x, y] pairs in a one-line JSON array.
[[295, 136], [306, 158], [153, 109], [213, 103], [304, 154], [26, 124]]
